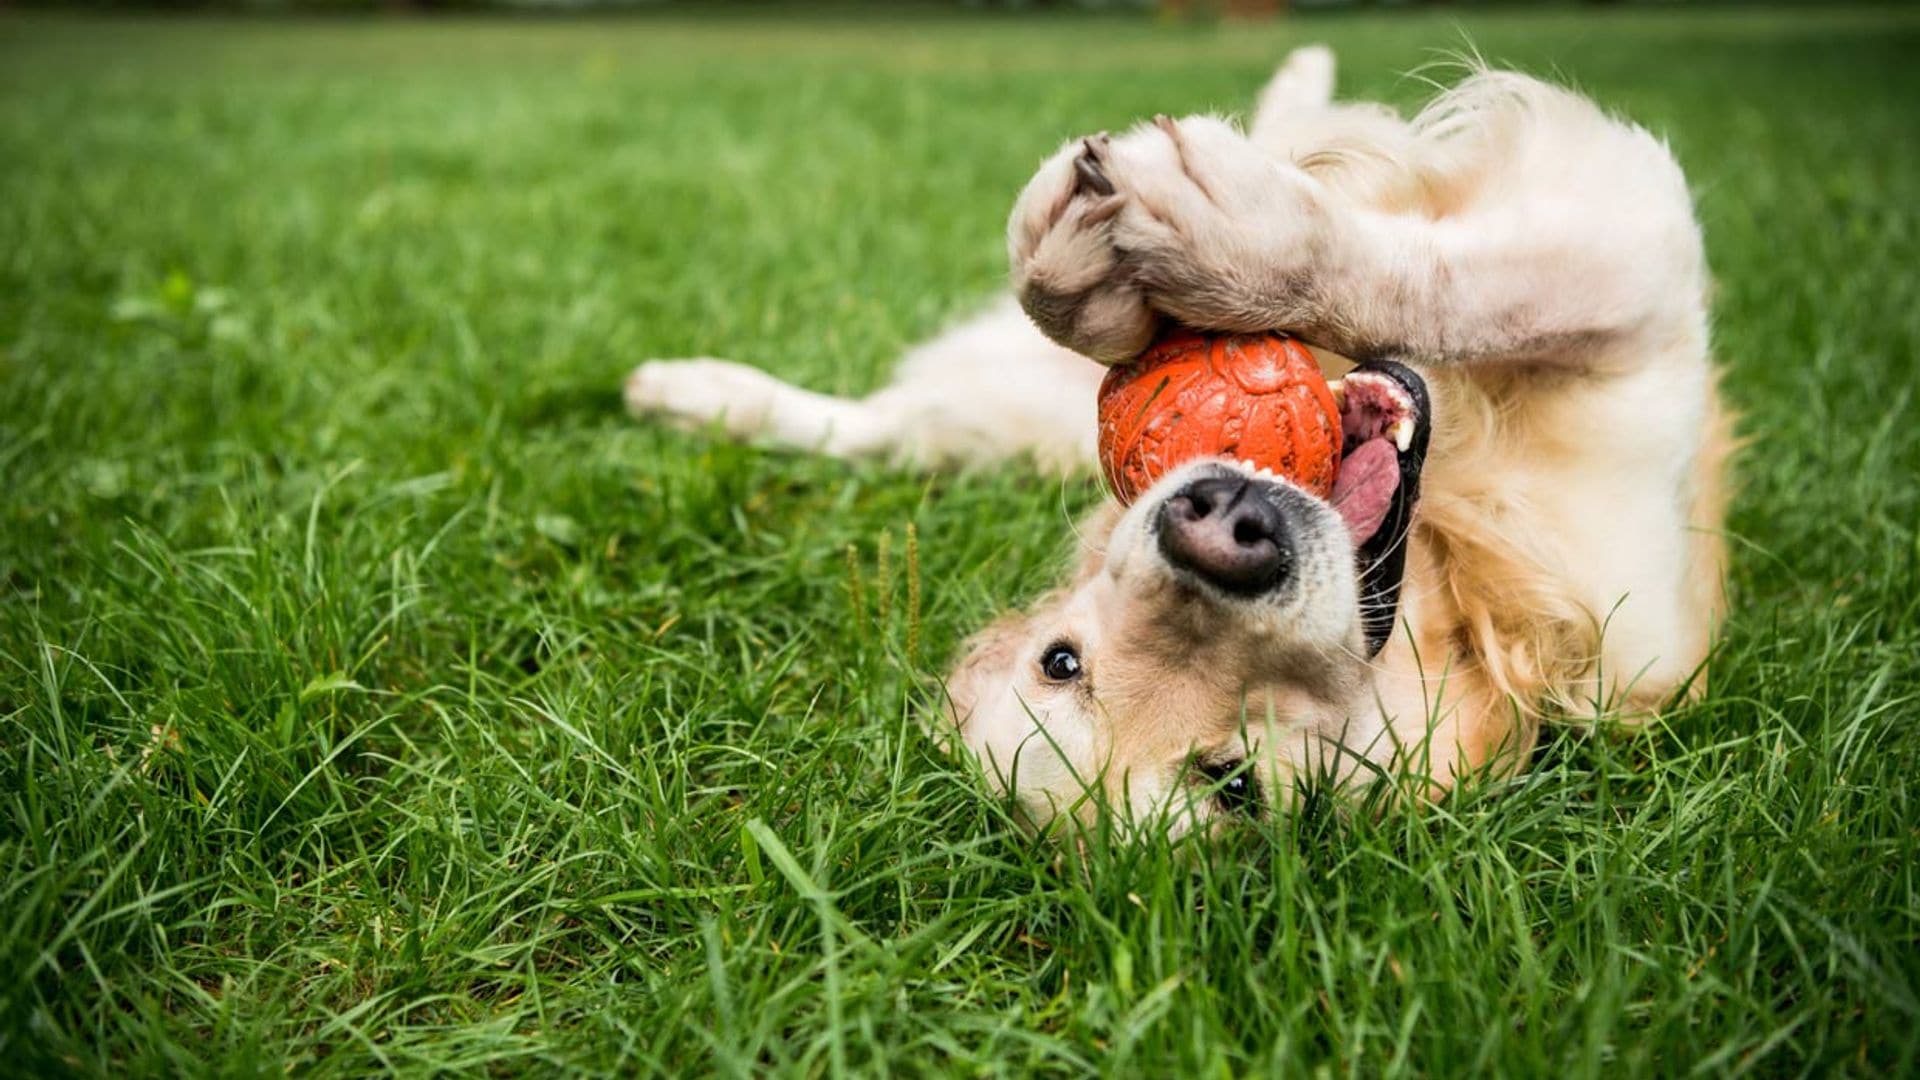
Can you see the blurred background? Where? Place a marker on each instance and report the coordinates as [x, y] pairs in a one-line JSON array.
[[1201, 10]]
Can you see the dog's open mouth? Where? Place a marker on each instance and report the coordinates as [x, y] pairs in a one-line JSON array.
[[1382, 413], [1385, 419]]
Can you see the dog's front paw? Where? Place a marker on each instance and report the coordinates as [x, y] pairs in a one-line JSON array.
[[1185, 220], [1215, 232], [1065, 269]]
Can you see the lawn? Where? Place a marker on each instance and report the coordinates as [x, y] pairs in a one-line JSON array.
[[373, 694]]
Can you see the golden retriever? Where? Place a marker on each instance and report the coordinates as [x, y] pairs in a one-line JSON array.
[[1520, 281]]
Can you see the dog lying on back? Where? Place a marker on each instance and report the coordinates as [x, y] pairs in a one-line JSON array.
[[1521, 283]]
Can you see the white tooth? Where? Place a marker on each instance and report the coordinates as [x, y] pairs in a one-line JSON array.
[[1339, 388], [1403, 433]]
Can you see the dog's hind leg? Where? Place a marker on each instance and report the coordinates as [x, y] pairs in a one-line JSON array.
[[748, 403], [1300, 89], [988, 389]]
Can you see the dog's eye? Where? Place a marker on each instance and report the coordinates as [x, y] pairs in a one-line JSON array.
[[1060, 663], [1233, 785]]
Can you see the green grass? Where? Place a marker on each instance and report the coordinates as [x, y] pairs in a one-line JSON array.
[[372, 694]]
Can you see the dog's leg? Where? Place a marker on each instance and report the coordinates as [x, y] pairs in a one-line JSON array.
[[1551, 234], [1300, 90], [748, 403], [989, 388]]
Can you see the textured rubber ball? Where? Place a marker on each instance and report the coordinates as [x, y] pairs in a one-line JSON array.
[[1256, 397]]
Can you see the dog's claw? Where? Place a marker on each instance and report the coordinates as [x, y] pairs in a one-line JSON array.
[[1088, 169]]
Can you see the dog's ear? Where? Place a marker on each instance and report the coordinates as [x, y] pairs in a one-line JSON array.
[[1382, 558]]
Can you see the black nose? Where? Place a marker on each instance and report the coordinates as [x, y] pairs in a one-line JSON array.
[[1228, 530]]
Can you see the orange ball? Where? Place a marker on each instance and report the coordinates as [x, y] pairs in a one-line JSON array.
[[1257, 397]]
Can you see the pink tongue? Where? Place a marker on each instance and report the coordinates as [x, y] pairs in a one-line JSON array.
[[1363, 492]]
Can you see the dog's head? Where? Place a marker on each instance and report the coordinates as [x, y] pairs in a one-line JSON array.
[[1222, 632]]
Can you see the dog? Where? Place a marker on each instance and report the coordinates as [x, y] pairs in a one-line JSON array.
[[1509, 292]]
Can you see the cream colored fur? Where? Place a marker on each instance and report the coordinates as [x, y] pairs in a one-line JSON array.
[[1535, 259]]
